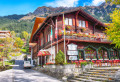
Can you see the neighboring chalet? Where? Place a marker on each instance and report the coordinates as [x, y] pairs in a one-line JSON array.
[[4, 34], [84, 38]]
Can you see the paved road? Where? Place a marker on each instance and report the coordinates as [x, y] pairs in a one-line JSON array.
[[18, 74]]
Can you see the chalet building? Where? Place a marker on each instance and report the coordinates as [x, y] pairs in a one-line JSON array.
[[4, 34], [84, 38]]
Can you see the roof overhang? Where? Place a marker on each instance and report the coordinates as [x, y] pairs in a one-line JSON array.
[[32, 45], [66, 12]]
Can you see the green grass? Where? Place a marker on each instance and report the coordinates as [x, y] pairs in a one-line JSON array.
[[8, 62]]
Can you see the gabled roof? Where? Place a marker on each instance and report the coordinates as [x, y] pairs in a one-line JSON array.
[[38, 22], [70, 11]]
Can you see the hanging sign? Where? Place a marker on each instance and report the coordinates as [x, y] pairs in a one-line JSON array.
[[72, 57], [72, 47], [72, 52]]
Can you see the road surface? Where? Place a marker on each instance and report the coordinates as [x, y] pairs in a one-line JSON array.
[[18, 74]]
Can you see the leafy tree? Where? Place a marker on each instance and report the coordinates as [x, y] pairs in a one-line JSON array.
[[10, 47], [13, 34], [117, 2], [113, 30], [24, 35], [18, 42], [6, 48], [60, 58]]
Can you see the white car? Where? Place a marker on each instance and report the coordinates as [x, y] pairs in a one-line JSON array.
[[27, 64]]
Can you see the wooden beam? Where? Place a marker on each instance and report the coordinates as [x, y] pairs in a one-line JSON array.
[[94, 27], [52, 22], [76, 16]]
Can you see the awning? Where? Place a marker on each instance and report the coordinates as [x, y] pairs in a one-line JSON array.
[[43, 53]]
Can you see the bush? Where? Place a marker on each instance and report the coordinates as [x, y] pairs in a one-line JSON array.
[[83, 63], [60, 58], [90, 63]]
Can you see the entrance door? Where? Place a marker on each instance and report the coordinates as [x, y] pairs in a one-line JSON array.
[[81, 55]]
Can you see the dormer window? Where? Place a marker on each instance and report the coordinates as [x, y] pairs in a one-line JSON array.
[[68, 21], [81, 23]]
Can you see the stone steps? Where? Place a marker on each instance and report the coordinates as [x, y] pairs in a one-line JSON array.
[[86, 80], [96, 78], [104, 70], [98, 74], [101, 76], [101, 72], [75, 80]]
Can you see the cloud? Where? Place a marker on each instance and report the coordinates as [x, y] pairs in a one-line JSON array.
[[97, 2], [64, 3]]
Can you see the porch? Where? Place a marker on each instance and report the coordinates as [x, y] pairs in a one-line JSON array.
[[100, 53]]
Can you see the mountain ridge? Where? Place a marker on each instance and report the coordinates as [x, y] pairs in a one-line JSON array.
[[19, 23]]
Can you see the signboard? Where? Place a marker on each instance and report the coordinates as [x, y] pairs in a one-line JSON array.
[[72, 52], [72, 47], [72, 57]]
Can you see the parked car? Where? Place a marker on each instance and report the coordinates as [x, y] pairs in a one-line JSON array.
[[27, 64]]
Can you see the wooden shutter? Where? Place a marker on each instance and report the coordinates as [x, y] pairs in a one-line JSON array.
[[73, 21], [40, 42], [87, 24], [77, 21], [46, 38]]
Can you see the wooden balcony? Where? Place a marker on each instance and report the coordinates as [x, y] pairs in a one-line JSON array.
[[78, 38], [83, 38]]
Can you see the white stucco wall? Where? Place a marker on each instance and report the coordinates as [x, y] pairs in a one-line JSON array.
[[53, 53]]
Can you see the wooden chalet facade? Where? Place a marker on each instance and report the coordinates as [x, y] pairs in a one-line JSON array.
[[84, 37]]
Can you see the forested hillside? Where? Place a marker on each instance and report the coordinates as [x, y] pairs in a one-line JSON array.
[[19, 23], [15, 25]]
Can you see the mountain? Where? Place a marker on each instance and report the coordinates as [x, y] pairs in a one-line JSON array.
[[19, 23], [100, 12], [14, 16]]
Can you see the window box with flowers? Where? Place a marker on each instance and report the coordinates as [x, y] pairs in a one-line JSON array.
[[60, 34], [68, 27], [79, 35], [92, 37], [83, 29], [68, 35]]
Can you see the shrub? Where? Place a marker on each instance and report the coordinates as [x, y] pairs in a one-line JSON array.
[[60, 58], [90, 63], [83, 63]]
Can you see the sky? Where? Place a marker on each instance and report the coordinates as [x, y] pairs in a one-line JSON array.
[[9, 7]]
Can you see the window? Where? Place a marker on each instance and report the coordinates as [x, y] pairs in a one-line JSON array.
[[81, 23], [48, 37], [68, 21]]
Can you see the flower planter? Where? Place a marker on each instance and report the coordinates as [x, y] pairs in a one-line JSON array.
[[50, 66], [67, 36]]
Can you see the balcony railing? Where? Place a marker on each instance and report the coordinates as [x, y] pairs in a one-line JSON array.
[[76, 37], [83, 38]]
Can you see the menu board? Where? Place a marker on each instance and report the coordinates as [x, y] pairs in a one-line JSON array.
[[72, 52], [72, 57]]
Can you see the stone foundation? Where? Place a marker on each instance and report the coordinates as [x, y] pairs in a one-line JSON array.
[[60, 71]]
